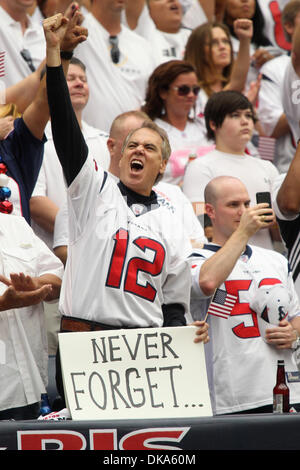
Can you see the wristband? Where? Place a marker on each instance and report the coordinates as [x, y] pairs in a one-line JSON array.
[[296, 343], [66, 55]]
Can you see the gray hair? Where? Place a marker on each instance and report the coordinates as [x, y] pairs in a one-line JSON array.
[[165, 146]]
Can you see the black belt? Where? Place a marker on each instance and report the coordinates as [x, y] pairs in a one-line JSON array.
[[73, 324]]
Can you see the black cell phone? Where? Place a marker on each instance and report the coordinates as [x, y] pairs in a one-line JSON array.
[[264, 197]]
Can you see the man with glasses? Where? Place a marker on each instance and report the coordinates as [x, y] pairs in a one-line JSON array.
[[21, 39], [118, 62]]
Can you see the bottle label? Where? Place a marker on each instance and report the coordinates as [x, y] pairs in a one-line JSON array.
[[278, 404]]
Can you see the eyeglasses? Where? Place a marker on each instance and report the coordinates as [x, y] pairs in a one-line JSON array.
[[114, 51], [27, 57], [184, 90]]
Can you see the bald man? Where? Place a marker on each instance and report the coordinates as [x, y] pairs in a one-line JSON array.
[[245, 347]]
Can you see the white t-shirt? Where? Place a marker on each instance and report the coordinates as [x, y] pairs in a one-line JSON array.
[[114, 88], [193, 13], [22, 331], [243, 364], [256, 174], [51, 181], [121, 266], [12, 41], [291, 99], [270, 109], [190, 143], [165, 46]]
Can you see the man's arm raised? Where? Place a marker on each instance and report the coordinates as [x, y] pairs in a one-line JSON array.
[[218, 267], [68, 140]]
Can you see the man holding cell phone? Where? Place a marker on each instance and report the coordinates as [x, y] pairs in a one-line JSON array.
[[245, 344]]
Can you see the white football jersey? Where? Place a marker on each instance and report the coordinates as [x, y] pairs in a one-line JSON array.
[[244, 365], [271, 10], [123, 263], [290, 95]]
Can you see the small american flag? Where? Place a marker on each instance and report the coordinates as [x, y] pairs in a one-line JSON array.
[[2, 68], [222, 304], [266, 148]]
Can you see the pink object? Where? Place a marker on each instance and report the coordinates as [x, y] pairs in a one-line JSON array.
[[180, 158]]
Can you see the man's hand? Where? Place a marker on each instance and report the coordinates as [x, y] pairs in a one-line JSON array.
[[256, 218], [62, 34], [281, 336], [55, 28], [75, 33], [22, 291], [201, 332], [243, 28], [6, 126], [21, 282], [261, 56], [253, 91]]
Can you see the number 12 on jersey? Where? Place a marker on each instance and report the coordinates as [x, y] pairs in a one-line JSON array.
[[120, 268]]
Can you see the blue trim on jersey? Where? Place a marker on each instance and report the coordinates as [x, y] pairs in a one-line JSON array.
[[104, 181], [131, 197], [215, 248]]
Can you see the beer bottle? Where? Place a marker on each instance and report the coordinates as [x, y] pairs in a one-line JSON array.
[[281, 392]]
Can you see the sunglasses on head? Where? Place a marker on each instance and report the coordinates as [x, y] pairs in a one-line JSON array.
[[184, 90]]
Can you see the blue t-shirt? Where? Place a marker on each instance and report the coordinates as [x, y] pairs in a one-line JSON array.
[[22, 154]]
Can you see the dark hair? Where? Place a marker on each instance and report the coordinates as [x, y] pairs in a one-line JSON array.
[[78, 62], [160, 80], [73, 61], [222, 103], [196, 54], [258, 38]]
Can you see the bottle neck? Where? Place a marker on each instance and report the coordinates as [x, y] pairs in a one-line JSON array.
[[280, 374]]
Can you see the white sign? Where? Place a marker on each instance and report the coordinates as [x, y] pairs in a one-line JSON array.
[[134, 374]]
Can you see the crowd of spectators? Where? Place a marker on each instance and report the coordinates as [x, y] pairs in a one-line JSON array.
[[219, 79]]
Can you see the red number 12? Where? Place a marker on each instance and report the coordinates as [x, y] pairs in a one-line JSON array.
[[134, 265]]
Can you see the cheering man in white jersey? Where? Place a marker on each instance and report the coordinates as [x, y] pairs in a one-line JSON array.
[[126, 265]]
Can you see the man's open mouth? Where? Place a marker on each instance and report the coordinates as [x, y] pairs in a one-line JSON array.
[[136, 165]]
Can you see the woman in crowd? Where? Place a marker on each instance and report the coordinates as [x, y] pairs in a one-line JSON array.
[[170, 101], [209, 49], [261, 49]]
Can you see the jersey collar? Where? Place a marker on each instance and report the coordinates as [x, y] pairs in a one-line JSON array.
[[138, 203], [212, 247]]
